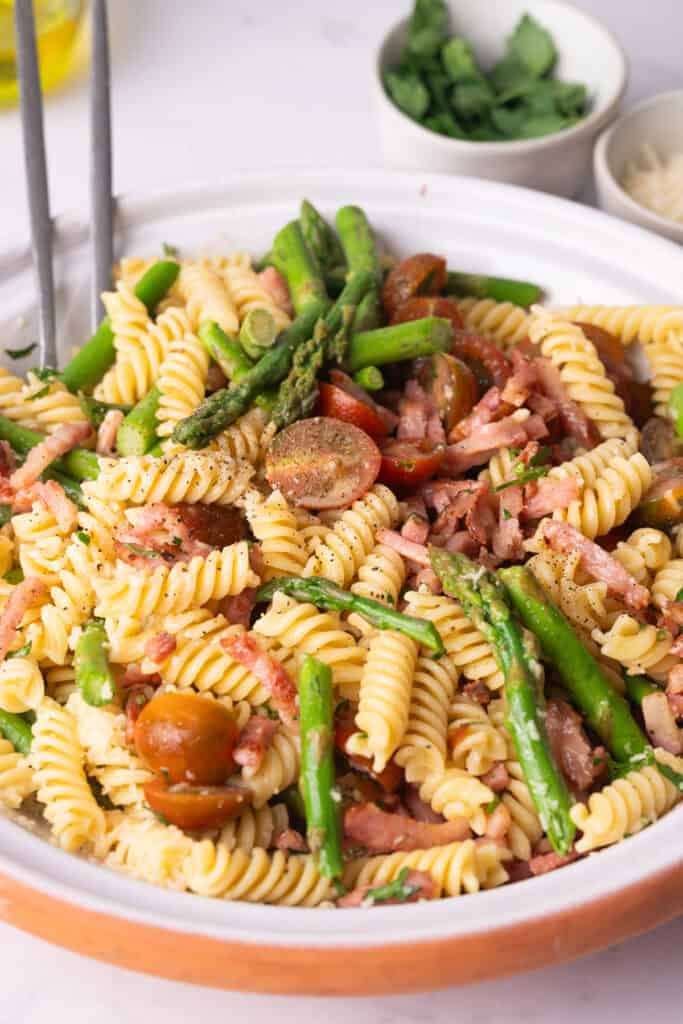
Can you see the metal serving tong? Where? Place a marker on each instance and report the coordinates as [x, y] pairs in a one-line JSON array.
[[101, 204]]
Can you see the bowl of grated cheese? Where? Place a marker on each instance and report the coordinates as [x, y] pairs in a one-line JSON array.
[[639, 166]]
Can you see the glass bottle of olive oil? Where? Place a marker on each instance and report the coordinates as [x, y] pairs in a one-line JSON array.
[[57, 28]]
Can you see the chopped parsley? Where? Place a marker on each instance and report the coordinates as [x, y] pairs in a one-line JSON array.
[[679, 595], [490, 807], [15, 575], [399, 889], [45, 372], [19, 353], [38, 394], [171, 251], [143, 552], [21, 652], [83, 537]]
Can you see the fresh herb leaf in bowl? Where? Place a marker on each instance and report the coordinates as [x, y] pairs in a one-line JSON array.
[[440, 84]]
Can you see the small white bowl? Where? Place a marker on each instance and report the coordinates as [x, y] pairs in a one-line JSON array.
[[657, 121], [558, 163]]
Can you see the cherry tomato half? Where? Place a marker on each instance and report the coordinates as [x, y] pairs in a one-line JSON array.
[[662, 506], [450, 384], [339, 404], [406, 464], [196, 807], [429, 305], [422, 274], [216, 525], [187, 738], [322, 463], [482, 353], [390, 778]]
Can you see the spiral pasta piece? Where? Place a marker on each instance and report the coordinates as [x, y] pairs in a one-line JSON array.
[[503, 321], [143, 847], [665, 361], [207, 297], [455, 868], [422, 751], [631, 323], [278, 769], [288, 881], [644, 553], [248, 293], [301, 628], [353, 536], [48, 629], [624, 807], [640, 648], [223, 573], [457, 794], [581, 370], [16, 776], [42, 406], [384, 699], [585, 604], [191, 477], [475, 744], [255, 828], [668, 583], [611, 499], [525, 827], [21, 685], [380, 578], [139, 349], [181, 382], [41, 543], [283, 550], [247, 438], [465, 645], [57, 760]]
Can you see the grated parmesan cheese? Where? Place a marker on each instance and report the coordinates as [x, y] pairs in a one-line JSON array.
[[657, 183]]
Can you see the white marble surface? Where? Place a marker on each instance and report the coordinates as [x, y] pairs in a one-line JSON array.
[[211, 86]]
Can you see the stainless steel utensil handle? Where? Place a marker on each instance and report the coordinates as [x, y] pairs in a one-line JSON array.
[[101, 203]]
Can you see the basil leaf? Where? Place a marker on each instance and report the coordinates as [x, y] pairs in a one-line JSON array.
[[408, 93], [458, 60], [19, 353], [533, 46], [427, 28]]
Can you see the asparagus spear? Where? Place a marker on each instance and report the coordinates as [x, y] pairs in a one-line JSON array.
[[320, 237], [227, 351], [258, 332], [399, 342], [370, 378], [299, 391], [638, 687], [96, 411], [502, 289], [604, 709], [138, 432], [482, 599], [293, 258], [98, 354], [362, 253], [94, 678], [316, 712], [294, 802], [324, 594], [80, 464], [17, 730]]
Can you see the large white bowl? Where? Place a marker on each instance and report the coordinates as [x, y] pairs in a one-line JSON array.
[[579, 255], [558, 163]]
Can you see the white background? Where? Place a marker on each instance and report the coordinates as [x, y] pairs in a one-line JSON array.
[[202, 87]]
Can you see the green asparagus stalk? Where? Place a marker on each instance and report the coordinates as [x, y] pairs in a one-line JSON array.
[[605, 710], [258, 332], [293, 258], [96, 411], [358, 241], [370, 378], [324, 594], [265, 261], [639, 687], [502, 289], [298, 393], [138, 432], [320, 237], [80, 464], [316, 714], [399, 342], [294, 802], [17, 731], [98, 354], [227, 351], [335, 279], [482, 599], [94, 678]]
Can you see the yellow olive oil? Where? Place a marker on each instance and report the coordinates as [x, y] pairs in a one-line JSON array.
[[57, 28]]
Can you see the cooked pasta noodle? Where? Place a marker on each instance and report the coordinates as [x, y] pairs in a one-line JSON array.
[[192, 477], [631, 323], [503, 321], [422, 751], [21, 685], [207, 297], [455, 868]]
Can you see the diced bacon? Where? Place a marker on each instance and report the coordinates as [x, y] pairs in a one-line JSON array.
[[427, 578], [676, 704], [106, 434], [462, 543], [518, 387], [343, 381], [424, 884], [418, 808], [478, 447], [545, 407], [134, 676], [497, 779], [477, 691], [24, 596], [508, 541], [291, 840], [416, 529], [53, 447], [244, 649], [498, 823], [7, 459], [379, 832], [542, 497], [254, 740], [276, 286], [660, 722], [52, 495], [458, 499], [488, 409], [158, 534], [671, 617], [535, 428], [238, 609], [160, 647], [545, 862], [414, 552], [518, 870], [419, 418], [215, 378], [677, 646], [674, 685], [574, 420], [580, 764], [413, 425], [597, 563], [468, 346]]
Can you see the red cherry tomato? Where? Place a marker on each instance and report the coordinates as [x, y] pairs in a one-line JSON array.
[[423, 274], [429, 305], [450, 384], [322, 463], [196, 807], [406, 464], [390, 778], [662, 506], [339, 404]]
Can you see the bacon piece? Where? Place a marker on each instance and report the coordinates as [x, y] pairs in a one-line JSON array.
[[7, 459], [508, 541], [674, 683], [158, 533], [488, 409], [244, 649], [671, 616], [497, 779], [574, 420], [413, 552], [477, 691], [215, 378], [238, 609], [479, 446], [379, 832], [518, 387], [660, 722], [276, 286], [427, 578], [160, 647], [542, 863], [597, 563], [419, 418], [417, 808], [475, 348], [52, 495], [134, 676], [290, 839], [416, 529], [254, 740], [542, 497], [498, 823], [53, 447], [424, 884], [580, 764], [454, 500], [106, 434], [24, 596], [343, 381]]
